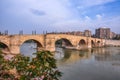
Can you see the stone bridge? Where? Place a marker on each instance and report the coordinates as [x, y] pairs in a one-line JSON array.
[[48, 41]]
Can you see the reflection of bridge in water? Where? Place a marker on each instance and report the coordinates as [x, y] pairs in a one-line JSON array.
[[110, 54], [48, 41], [72, 56]]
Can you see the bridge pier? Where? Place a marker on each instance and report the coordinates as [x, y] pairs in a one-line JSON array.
[[15, 49], [89, 45], [49, 45], [52, 49]]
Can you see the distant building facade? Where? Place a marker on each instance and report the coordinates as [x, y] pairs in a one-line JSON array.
[[104, 33], [117, 37], [87, 33], [78, 33], [112, 35]]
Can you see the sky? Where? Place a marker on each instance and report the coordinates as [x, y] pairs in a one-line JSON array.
[[58, 15]]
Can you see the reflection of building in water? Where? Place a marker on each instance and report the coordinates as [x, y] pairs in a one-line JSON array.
[[106, 54], [101, 54], [98, 50]]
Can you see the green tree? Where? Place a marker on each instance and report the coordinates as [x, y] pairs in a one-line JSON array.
[[43, 67], [4, 68]]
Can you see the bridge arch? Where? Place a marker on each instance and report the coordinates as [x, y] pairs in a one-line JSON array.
[[98, 43], [31, 43], [63, 42], [33, 40], [82, 42], [4, 47]]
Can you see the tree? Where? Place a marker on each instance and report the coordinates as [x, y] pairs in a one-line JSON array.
[[41, 67], [4, 68]]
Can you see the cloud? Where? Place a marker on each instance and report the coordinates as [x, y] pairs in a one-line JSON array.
[[89, 3], [53, 9], [100, 21], [61, 15], [96, 2], [87, 18], [37, 12], [113, 23], [68, 25], [99, 17]]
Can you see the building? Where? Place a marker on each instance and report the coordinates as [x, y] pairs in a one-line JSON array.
[[87, 33], [103, 33], [117, 37], [112, 35], [78, 33]]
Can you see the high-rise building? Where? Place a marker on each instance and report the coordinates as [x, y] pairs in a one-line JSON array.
[[103, 33]]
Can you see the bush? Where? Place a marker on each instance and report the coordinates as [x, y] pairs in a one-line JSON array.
[[41, 67]]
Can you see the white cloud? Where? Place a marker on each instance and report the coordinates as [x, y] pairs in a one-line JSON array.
[[99, 17], [100, 21], [54, 10], [68, 24], [90, 3], [87, 18]]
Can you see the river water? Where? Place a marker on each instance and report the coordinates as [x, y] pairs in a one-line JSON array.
[[93, 64]]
